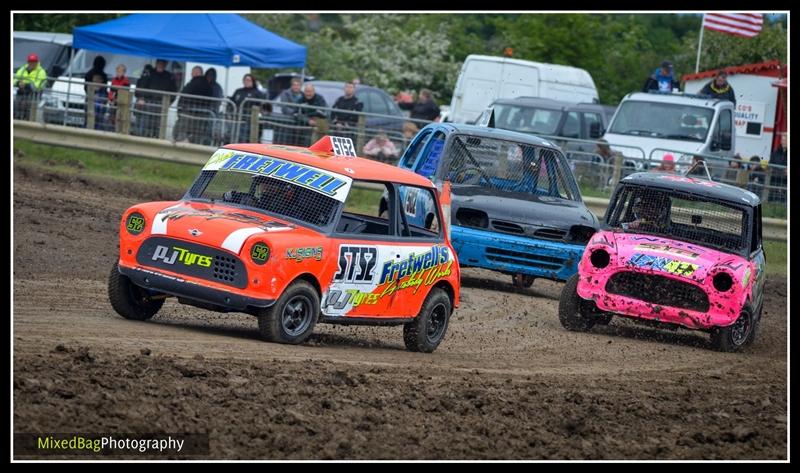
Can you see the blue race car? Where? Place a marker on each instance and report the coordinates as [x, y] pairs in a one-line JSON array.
[[516, 207]]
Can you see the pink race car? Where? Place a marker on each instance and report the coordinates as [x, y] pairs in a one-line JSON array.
[[679, 251]]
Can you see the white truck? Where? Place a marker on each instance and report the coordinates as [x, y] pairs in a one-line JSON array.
[[757, 104], [484, 79], [648, 126]]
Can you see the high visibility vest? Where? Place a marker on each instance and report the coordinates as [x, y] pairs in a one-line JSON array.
[[36, 77]]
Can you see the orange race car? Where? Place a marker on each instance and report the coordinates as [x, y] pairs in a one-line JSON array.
[[281, 232]]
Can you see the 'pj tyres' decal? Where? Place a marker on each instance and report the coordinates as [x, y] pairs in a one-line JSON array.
[[325, 182], [368, 274], [667, 265]]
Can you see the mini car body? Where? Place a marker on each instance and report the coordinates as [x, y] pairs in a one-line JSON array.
[[274, 231], [678, 251], [516, 207]]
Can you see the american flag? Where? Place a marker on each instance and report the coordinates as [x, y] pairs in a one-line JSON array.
[[746, 25]]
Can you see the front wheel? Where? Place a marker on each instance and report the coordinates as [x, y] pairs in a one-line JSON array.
[[570, 308], [427, 330], [130, 300], [292, 318], [736, 336]]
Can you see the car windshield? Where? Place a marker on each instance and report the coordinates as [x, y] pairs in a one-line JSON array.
[[274, 186], [494, 166], [84, 59], [679, 216], [48, 52], [663, 120], [527, 119]]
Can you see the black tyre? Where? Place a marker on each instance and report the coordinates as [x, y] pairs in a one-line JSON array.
[[292, 318], [522, 281], [736, 336], [130, 300], [571, 310], [428, 328]]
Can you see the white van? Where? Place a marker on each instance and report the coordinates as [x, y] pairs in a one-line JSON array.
[[484, 79], [647, 126]]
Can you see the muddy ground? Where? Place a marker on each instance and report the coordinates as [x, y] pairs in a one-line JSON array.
[[507, 382]]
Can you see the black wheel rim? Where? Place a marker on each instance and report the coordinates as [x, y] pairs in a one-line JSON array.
[[437, 323], [296, 316], [740, 330]]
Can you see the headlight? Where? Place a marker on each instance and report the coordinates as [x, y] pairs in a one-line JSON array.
[[134, 224], [722, 282], [259, 252], [600, 258]]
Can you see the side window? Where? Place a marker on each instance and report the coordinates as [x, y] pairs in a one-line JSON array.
[[571, 127], [725, 129], [418, 215], [413, 152], [430, 159], [362, 213], [588, 120]]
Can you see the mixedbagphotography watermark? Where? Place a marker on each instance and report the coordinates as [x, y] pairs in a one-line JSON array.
[[169, 444]]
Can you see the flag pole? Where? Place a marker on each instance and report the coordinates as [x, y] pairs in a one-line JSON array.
[[700, 45]]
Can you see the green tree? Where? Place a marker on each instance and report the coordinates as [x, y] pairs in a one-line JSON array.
[[58, 22]]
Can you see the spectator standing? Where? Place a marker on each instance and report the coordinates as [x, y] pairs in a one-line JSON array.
[[719, 88], [293, 94], [98, 69], [216, 89], [662, 79], [667, 164], [310, 116], [757, 175], [348, 101], [778, 176], [381, 148], [148, 104], [249, 91], [119, 80], [194, 113], [424, 108], [29, 81]]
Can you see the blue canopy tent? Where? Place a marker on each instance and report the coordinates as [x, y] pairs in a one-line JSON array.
[[225, 39]]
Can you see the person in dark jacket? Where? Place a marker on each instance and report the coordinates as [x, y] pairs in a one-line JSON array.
[[98, 69], [778, 174], [662, 79], [239, 97], [148, 104], [348, 101], [424, 108], [719, 88], [194, 114], [216, 89]]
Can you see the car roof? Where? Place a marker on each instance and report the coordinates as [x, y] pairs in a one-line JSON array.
[[702, 187], [549, 103], [681, 99], [496, 133], [356, 168], [44, 36]]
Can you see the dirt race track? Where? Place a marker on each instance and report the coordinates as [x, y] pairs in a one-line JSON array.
[[507, 382]]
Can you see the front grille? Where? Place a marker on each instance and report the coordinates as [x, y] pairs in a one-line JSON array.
[[659, 290], [550, 234], [507, 227], [189, 258], [75, 105], [548, 263]]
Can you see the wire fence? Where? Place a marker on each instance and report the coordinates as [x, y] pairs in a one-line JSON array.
[[596, 164]]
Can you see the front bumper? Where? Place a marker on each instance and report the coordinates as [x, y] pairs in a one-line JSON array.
[[721, 312], [515, 254], [186, 289]]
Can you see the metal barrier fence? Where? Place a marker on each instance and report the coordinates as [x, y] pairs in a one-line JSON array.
[[216, 121]]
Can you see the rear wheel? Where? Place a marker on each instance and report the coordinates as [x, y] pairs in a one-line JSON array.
[[428, 328], [292, 318], [737, 335], [571, 308], [130, 300]]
